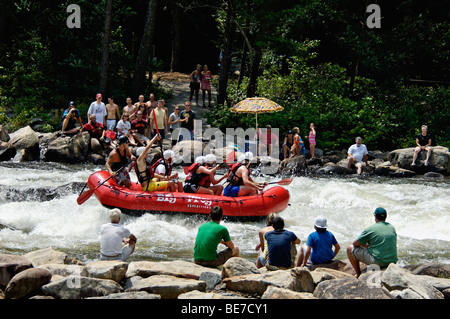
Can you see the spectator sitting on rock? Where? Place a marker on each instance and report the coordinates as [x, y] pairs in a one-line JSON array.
[[70, 117], [423, 142], [99, 142]]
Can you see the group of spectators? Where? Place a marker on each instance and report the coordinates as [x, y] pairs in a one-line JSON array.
[[139, 122], [376, 245]]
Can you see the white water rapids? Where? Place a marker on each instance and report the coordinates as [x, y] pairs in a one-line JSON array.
[[38, 209]]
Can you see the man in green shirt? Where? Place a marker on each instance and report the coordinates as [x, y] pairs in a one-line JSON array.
[[209, 236], [377, 244]]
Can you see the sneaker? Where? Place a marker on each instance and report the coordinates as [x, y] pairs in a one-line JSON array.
[[413, 164], [426, 163]]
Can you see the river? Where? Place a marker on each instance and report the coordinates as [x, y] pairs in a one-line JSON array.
[[38, 209]]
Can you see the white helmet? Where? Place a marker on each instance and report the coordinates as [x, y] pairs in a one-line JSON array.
[[248, 156], [201, 160], [168, 154], [210, 158], [241, 158], [139, 151]]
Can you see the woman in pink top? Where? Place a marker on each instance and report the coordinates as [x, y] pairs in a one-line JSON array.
[[312, 139], [206, 85]]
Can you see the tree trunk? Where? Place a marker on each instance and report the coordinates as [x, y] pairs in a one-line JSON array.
[[105, 49], [176, 36], [144, 53], [254, 72], [226, 53]]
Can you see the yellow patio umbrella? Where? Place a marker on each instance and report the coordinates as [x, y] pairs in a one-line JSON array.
[[256, 105]]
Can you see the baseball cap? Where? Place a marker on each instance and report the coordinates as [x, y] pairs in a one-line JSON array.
[[71, 103], [98, 95], [321, 222], [380, 211]]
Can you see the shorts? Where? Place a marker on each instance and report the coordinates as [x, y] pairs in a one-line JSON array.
[[143, 138], [110, 124], [231, 191], [123, 256], [153, 186], [121, 176], [363, 255], [190, 188], [221, 258]]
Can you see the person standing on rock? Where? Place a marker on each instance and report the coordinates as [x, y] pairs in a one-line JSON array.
[[194, 85], [206, 85], [112, 236], [377, 244], [187, 120], [209, 236], [98, 108], [423, 142]]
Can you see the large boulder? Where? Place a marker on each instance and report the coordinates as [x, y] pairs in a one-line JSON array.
[[7, 151], [177, 268], [46, 256], [107, 269], [66, 149], [297, 279], [293, 166], [168, 287], [439, 160], [237, 266], [26, 143], [10, 265], [80, 287], [187, 151], [27, 282], [410, 286], [349, 288], [4, 136]]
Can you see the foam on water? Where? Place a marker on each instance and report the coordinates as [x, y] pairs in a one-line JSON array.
[[418, 210]]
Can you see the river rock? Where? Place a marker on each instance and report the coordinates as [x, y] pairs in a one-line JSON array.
[[237, 266], [10, 265], [187, 151], [298, 279], [7, 151], [66, 149], [4, 136], [295, 166], [397, 278], [79, 287], [386, 169], [24, 138], [168, 287], [177, 268], [27, 282], [106, 269], [349, 288], [433, 269], [195, 294], [273, 292], [46, 256], [439, 160], [212, 279], [64, 270], [331, 168]]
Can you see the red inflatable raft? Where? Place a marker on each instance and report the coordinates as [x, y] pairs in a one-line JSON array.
[[135, 202]]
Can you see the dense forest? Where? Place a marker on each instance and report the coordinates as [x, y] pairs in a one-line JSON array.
[[322, 60]]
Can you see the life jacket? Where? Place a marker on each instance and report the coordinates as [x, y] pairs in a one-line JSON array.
[[149, 174], [123, 160], [233, 179], [193, 178], [161, 162]]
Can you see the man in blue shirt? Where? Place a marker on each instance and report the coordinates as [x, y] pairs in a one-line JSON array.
[[318, 245], [279, 243]]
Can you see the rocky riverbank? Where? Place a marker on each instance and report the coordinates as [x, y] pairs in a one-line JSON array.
[[28, 145], [51, 274]]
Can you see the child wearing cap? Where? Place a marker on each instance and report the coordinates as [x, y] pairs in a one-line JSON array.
[[319, 245]]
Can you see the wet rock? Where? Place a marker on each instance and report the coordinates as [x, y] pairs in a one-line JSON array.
[[27, 282], [11, 265]]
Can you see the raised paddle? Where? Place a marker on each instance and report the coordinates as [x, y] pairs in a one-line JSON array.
[[157, 131], [86, 195]]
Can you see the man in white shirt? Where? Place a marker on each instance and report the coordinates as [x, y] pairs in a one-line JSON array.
[[99, 109], [356, 154], [112, 235]]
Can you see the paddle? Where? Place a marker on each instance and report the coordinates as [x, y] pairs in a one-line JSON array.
[[157, 131], [284, 182], [86, 195]]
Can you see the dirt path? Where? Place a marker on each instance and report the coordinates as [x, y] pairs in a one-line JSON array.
[[179, 84]]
